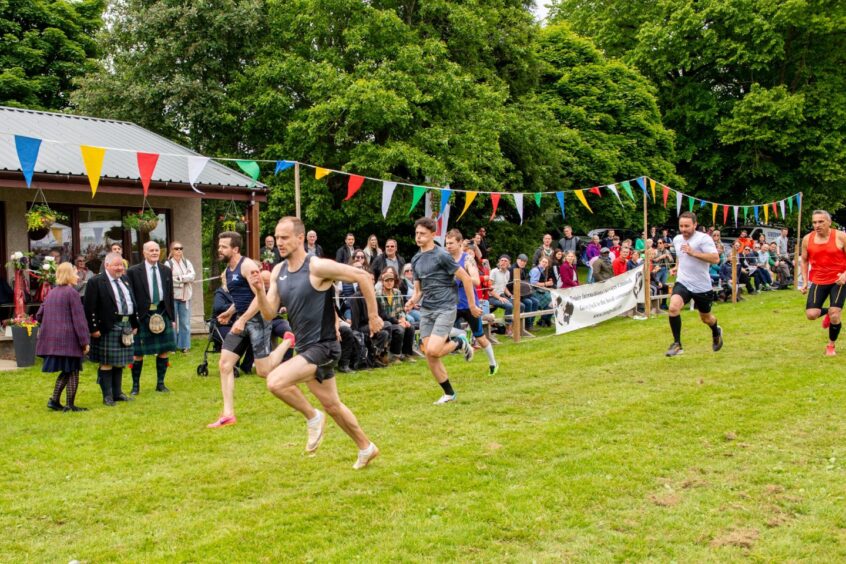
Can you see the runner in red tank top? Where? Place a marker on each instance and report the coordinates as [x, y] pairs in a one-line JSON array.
[[824, 252]]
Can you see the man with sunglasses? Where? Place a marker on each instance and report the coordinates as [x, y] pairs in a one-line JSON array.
[[386, 259]]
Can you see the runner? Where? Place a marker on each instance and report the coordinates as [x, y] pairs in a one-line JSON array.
[[249, 329], [435, 273], [824, 251], [454, 246], [695, 252], [305, 285]]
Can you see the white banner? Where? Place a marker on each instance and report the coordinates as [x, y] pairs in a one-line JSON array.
[[583, 306]]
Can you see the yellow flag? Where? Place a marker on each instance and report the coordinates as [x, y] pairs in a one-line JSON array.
[[766, 214], [320, 172], [92, 158], [713, 214], [581, 196], [468, 199], [652, 186]]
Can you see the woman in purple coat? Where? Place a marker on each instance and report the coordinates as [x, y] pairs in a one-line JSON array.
[[63, 338]]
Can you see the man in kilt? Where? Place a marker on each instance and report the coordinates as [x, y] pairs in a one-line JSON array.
[[112, 320], [152, 288]]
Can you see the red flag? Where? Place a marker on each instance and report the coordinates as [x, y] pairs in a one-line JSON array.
[[353, 186], [775, 210], [595, 190], [725, 214], [666, 193], [495, 201], [146, 166]]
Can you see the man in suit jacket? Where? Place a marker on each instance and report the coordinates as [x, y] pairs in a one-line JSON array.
[[152, 288], [110, 311], [346, 252]]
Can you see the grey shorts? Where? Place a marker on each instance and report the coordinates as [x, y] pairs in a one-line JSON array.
[[256, 333], [323, 355], [436, 322]]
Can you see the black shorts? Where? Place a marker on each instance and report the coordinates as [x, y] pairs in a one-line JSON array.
[[818, 293], [475, 323], [702, 300], [323, 355]]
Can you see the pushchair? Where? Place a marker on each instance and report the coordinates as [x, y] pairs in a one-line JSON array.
[[217, 333]]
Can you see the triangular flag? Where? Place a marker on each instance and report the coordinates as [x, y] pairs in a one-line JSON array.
[[418, 193], [445, 195], [745, 213], [320, 172], [725, 214], [713, 214], [799, 200], [781, 205], [652, 187], [195, 167], [537, 198], [766, 215], [282, 165], [613, 188], [495, 202], [581, 196], [790, 203], [679, 196], [641, 180], [690, 203], [595, 190], [250, 168], [628, 188], [755, 209], [518, 203], [702, 204], [775, 210], [92, 158], [387, 194], [354, 184], [468, 199], [146, 166], [27, 148], [665, 193], [560, 196], [735, 215]]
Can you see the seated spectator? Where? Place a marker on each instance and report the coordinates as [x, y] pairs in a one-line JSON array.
[[748, 263], [528, 300], [602, 268], [500, 296], [567, 271], [406, 287], [377, 344], [780, 267], [764, 275], [555, 267], [619, 265], [391, 305], [541, 275], [635, 261]]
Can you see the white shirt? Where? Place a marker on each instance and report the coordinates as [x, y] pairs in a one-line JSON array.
[[499, 280], [183, 276], [150, 279], [693, 273], [124, 290]]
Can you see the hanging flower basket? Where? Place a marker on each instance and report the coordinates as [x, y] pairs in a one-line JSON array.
[[40, 218], [145, 220]]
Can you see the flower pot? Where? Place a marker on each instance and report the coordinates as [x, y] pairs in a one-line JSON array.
[[38, 234], [145, 226], [24, 345]]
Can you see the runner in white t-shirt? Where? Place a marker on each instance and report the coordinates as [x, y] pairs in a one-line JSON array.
[[695, 252]]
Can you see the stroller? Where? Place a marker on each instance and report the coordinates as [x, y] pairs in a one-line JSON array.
[[217, 333]]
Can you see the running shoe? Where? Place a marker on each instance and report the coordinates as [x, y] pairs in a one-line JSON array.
[[224, 421], [493, 369], [674, 350], [315, 432], [466, 348], [826, 322], [718, 340], [829, 350], [446, 398], [366, 456], [288, 336]]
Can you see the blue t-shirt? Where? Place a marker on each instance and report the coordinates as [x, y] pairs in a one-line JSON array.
[[435, 270]]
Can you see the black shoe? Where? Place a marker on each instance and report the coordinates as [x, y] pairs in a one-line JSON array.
[[718, 340], [345, 368], [75, 408], [54, 405], [109, 401], [123, 397], [162, 388], [674, 350], [134, 391]]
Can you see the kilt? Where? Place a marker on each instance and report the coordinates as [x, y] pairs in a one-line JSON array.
[[108, 349], [147, 343]]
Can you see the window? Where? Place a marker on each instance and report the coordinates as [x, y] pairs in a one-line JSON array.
[[138, 238], [98, 229]]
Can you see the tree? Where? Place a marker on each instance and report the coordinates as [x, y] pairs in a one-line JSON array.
[[44, 47]]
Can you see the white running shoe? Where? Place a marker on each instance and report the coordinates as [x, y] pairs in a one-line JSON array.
[[466, 348], [315, 432], [446, 398], [366, 456]]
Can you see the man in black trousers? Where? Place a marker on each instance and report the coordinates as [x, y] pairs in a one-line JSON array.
[[112, 321], [152, 288]]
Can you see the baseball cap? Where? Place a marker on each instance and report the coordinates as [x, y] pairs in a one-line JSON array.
[[521, 256], [604, 250]]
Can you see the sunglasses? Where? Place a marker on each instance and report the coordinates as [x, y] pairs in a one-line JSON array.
[[177, 248]]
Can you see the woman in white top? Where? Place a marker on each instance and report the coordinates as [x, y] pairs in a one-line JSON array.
[[183, 278], [372, 250]]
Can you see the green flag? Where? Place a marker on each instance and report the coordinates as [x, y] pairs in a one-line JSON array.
[[690, 203], [537, 198], [251, 169], [628, 188], [418, 193]]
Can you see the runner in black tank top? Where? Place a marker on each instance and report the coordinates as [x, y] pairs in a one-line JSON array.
[[303, 282]]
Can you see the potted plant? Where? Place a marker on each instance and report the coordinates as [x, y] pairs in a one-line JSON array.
[[233, 223], [145, 220], [24, 334], [40, 218]]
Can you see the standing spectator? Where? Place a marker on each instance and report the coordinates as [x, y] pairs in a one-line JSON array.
[[63, 338], [567, 271], [346, 252], [545, 250], [389, 258], [183, 289], [112, 319], [482, 242], [311, 246], [269, 254], [500, 295], [608, 240], [616, 247], [114, 247], [569, 242], [662, 262], [665, 236], [781, 243], [372, 250], [152, 289], [83, 275], [593, 249], [602, 268]]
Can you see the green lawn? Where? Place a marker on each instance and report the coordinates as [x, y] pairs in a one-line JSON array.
[[590, 447]]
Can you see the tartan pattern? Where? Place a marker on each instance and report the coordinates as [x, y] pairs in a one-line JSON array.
[[146, 343], [109, 351], [396, 310]]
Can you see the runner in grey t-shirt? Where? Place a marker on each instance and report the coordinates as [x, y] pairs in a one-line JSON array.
[[435, 272], [696, 252]]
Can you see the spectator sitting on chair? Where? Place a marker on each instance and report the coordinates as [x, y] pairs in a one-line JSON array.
[[764, 279], [528, 300], [620, 264], [567, 271], [500, 294], [602, 268], [541, 275], [391, 303], [634, 261], [780, 266]]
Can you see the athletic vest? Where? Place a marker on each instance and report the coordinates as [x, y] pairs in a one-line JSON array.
[[826, 260], [462, 297], [239, 288], [311, 313]]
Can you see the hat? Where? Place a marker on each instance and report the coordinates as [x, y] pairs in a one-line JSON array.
[[504, 256], [521, 256], [604, 250]]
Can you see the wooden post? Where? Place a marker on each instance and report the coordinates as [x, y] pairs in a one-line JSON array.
[[733, 274], [647, 268], [516, 322], [797, 248], [297, 190]]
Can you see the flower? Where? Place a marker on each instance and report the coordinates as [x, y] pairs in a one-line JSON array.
[[50, 258], [17, 256], [46, 267]]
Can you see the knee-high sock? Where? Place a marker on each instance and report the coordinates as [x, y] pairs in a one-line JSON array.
[[104, 378], [675, 326], [161, 369], [834, 331], [137, 367], [61, 382], [117, 381], [73, 384]]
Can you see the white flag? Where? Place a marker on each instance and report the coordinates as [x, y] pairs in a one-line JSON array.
[[195, 168], [613, 188], [518, 203], [781, 205], [678, 202], [387, 194], [735, 216]]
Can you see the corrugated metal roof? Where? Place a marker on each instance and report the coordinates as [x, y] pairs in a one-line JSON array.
[[73, 131]]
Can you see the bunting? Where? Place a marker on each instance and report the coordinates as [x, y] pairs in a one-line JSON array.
[[353, 186], [581, 196], [560, 196], [282, 165], [494, 202], [92, 158], [690, 203], [387, 194], [468, 199], [775, 211], [27, 149], [642, 182], [713, 214], [445, 195], [628, 188], [665, 191], [766, 215], [725, 214], [146, 166], [320, 172], [418, 193], [518, 203], [790, 204], [679, 197], [250, 168], [652, 187], [613, 189], [595, 190], [755, 209], [781, 205], [195, 168], [735, 216], [538, 199]]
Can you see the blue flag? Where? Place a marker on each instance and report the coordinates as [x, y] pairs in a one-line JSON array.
[[282, 165], [756, 213], [642, 181], [445, 195], [27, 154], [560, 196]]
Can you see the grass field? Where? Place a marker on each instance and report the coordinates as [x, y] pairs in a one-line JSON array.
[[586, 447]]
